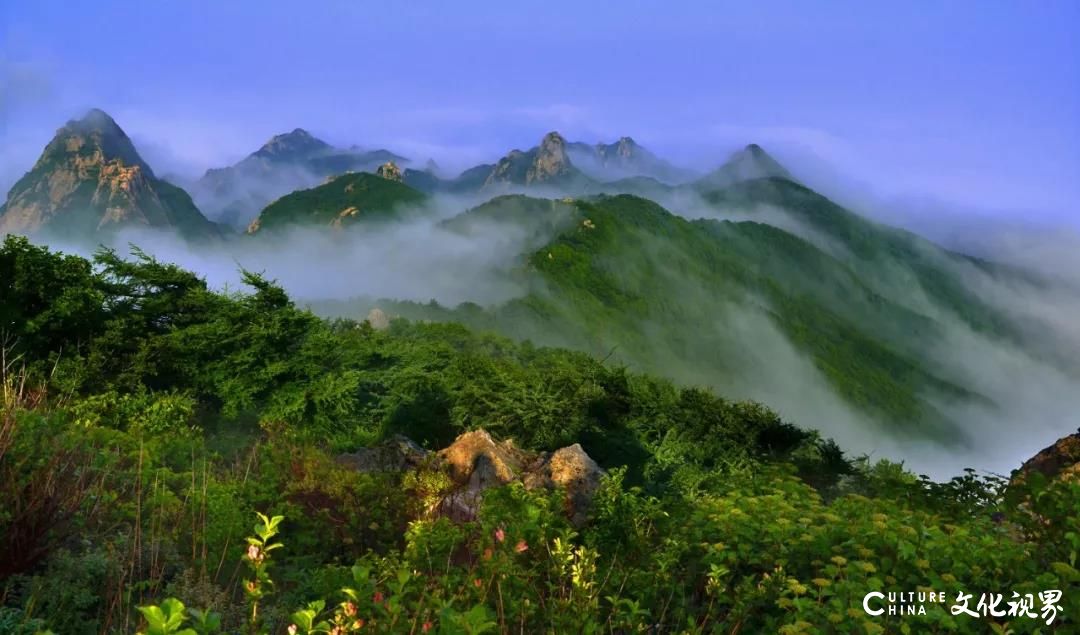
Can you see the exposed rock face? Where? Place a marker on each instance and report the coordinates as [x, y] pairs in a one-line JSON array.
[[474, 457], [510, 169], [1058, 461], [550, 161], [475, 462], [389, 171], [575, 471], [625, 151], [546, 163], [90, 178]]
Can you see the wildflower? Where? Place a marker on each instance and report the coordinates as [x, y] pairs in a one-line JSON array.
[[500, 535], [521, 546], [487, 554], [253, 553], [292, 629], [426, 627], [478, 583], [358, 624], [378, 597], [251, 586], [349, 608]]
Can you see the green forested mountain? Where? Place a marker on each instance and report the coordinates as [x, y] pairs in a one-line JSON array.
[[338, 203], [622, 275], [752, 162], [235, 194]]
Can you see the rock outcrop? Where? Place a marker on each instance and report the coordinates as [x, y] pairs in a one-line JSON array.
[[547, 163], [550, 162], [390, 171], [90, 179], [476, 462], [1058, 461], [573, 470]]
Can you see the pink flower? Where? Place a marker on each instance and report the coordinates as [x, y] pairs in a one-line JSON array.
[[500, 535], [378, 597], [521, 546], [478, 583], [426, 627], [292, 629], [253, 552], [349, 608]]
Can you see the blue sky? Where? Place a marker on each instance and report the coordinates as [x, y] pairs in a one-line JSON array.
[[973, 103]]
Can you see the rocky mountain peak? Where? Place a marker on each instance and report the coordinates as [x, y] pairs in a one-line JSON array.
[[550, 161], [89, 178], [97, 138], [389, 171], [626, 147], [292, 145]]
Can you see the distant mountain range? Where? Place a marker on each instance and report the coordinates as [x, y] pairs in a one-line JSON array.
[[90, 178]]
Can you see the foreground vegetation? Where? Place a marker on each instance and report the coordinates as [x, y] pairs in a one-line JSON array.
[[147, 421]]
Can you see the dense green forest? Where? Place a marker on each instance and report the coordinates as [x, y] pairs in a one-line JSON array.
[[147, 421], [341, 201], [625, 276]]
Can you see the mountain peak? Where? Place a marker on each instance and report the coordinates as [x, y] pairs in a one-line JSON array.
[[95, 132], [96, 119], [91, 178], [552, 141], [761, 160], [291, 145], [543, 163], [550, 160], [751, 162]]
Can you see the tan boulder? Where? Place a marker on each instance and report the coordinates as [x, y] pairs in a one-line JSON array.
[[390, 171], [573, 470], [476, 462]]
